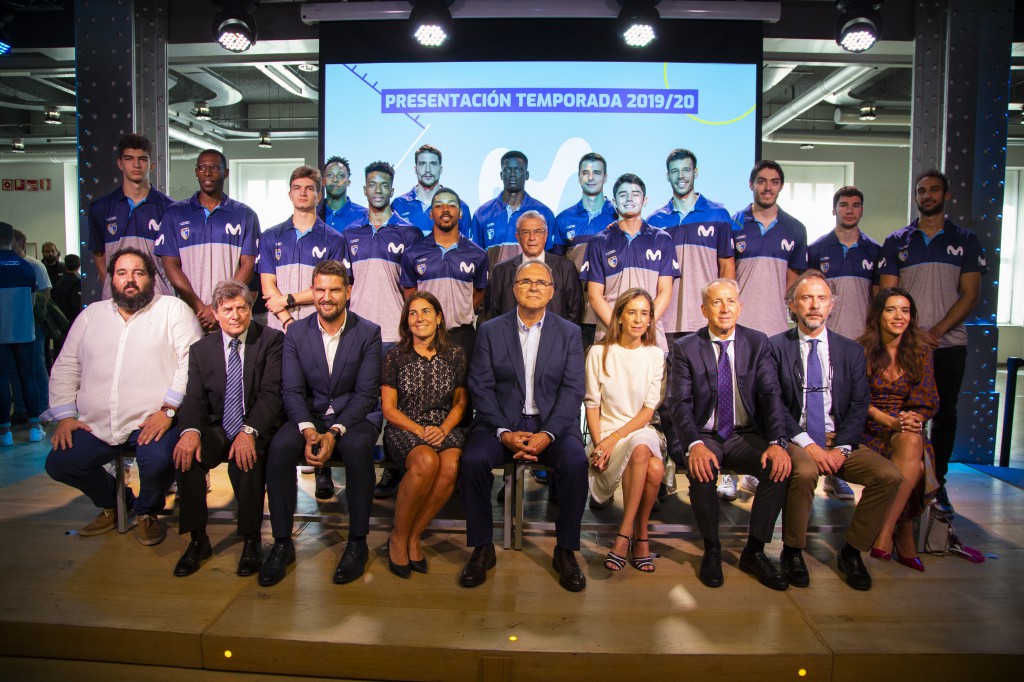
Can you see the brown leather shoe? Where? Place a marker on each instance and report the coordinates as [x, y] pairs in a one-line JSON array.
[[149, 530], [103, 523]]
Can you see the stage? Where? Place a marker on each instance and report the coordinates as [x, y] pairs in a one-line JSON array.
[[108, 608]]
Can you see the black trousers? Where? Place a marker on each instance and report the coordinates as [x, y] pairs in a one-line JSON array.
[[950, 365], [354, 450], [248, 485], [741, 453]]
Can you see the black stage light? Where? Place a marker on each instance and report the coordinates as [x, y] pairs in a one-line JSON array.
[[234, 26], [637, 20], [860, 24], [431, 21], [6, 42]]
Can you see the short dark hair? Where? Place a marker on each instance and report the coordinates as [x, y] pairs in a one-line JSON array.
[[338, 159], [629, 178], [933, 173], [592, 156], [380, 167], [306, 172], [6, 233], [680, 154], [513, 154], [767, 163], [133, 141], [131, 251], [448, 190], [427, 149], [846, 191], [72, 262], [223, 159], [331, 268], [20, 238]]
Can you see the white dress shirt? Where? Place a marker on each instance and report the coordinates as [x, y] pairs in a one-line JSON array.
[[113, 373], [740, 417], [802, 439], [529, 341], [330, 342]]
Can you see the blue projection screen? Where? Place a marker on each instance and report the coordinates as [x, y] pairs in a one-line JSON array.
[[632, 113]]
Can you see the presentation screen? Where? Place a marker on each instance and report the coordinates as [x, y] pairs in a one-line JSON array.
[[632, 113]]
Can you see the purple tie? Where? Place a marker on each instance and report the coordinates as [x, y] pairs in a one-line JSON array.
[[724, 412], [815, 407]]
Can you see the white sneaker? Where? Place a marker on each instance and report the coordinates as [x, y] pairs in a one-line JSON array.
[[306, 470], [727, 488], [748, 483], [837, 488]]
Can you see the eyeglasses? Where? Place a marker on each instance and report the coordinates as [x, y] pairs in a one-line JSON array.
[[530, 283], [204, 168]]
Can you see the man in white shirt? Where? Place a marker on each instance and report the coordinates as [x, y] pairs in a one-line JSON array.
[[116, 387]]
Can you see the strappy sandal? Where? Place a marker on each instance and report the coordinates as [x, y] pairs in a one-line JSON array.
[[643, 563], [612, 561]]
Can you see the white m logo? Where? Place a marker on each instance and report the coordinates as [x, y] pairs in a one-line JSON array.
[[788, 245], [154, 225], [958, 251], [881, 263], [467, 267], [585, 267], [159, 241], [653, 255], [233, 229], [868, 265], [708, 231], [396, 248], [319, 253]]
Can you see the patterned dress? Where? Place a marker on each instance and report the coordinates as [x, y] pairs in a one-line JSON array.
[[892, 397], [425, 391]]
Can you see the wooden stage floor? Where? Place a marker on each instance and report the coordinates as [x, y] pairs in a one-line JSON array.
[[107, 608]]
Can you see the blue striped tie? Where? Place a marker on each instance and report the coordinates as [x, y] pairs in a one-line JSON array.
[[815, 395], [234, 410]]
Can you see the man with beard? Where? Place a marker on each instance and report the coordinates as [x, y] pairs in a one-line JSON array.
[[330, 378], [825, 390], [116, 388], [208, 239], [55, 269], [415, 205], [449, 266], [337, 210], [940, 264]]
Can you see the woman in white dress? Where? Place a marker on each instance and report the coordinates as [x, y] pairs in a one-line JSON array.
[[625, 384]]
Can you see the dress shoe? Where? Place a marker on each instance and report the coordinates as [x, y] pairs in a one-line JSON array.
[[104, 522], [914, 563], [475, 571], [353, 562], [324, 489], [570, 575], [880, 554], [419, 566], [195, 554], [942, 503], [388, 484], [252, 557], [711, 567], [795, 570], [760, 566], [282, 555], [856, 573], [150, 530]]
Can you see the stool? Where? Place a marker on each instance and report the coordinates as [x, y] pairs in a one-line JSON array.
[[120, 486], [520, 483]]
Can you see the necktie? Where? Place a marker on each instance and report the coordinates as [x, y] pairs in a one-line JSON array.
[[234, 411], [815, 405], [724, 412]]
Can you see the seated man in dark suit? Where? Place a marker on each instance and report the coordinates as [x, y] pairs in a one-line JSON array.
[[526, 379], [726, 408], [532, 235], [330, 377], [825, 389], [232, 406]]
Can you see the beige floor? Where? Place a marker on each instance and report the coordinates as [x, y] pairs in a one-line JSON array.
[[108, 600]]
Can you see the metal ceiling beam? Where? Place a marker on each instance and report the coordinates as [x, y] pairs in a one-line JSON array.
[[841, 80]]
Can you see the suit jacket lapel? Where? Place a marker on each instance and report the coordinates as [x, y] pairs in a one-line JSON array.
[[515, 351], [249, 364], [315, 346], [545, 351], [345, 344], [707, 354]]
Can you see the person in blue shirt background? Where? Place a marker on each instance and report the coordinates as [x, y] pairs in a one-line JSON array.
[[336, 209], [414, 205]]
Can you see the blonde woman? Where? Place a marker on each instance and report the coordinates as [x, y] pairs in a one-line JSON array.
[[625, 384]]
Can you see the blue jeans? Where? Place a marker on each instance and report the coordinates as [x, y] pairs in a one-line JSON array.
[[15, 363], [37, 375]]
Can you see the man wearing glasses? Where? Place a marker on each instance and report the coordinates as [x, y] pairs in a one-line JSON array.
[[207, 239]]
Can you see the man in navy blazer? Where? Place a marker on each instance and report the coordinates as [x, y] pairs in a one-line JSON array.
[[526, 379], [827, 398], [725, 405], [330, 374], [214, 429]]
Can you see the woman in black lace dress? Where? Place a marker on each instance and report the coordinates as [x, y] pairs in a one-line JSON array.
[[423, 392]]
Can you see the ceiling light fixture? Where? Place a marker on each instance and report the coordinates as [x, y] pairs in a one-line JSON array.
[[18, 145], [264, 142], [431, 21], [637, 21], [308, 67], [51, 115], [860, 24], [202, 111], [868, 112], [234, 26], [5, 38], [807, 146]]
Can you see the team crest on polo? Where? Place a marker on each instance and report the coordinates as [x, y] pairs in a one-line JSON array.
[[112, 228], [613, 261], [490, 233], [277, 251], [184, 233], [354, 249], [570, 234], [824, 266], [903, 255], [741, 247], [421, 268]]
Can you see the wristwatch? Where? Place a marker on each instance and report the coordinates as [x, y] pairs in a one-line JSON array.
[[170, 412], [845, 451], [249, 431], [291, 301], [781, 442], [338, 430]]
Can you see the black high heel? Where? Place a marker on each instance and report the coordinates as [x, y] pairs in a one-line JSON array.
[[401, 570]]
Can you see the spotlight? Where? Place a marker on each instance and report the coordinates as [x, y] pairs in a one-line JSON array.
[[264, 142], [202, 111], [308, 67], [5, 39], [431, 21], [637, 20], [868, 112], [51, 115], [860, 24], [18, 145], [234, 27]]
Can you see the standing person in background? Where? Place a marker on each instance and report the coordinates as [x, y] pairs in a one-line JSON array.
[[67, 293], [37, 373], [51, 259], [337, 209], [415, 205], [17, 336]]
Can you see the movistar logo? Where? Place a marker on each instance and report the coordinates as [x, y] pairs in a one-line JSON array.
[[319, 253], [653, 255], [233, 229], [708, 231], [467, 267], [396, 248], [788, 245], [958, 251]]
